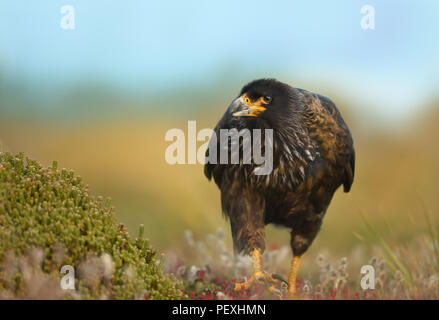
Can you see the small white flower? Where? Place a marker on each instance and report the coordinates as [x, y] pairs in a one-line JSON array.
[[192, 273]]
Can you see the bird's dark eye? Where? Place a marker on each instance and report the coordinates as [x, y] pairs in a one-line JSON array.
[[266, 99]]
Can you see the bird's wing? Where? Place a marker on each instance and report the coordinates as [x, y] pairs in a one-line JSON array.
[[327, 127]]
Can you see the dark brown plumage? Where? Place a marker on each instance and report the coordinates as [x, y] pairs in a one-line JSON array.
[[313, 155]]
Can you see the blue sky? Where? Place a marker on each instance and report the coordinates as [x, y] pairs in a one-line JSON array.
[[135, 44]]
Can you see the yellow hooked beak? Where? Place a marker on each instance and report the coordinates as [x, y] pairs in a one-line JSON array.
[[248, 108]]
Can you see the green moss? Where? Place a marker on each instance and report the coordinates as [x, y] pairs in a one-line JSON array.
[[51, 209]]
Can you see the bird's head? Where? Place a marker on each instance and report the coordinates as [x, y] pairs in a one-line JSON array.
[[264, 98]]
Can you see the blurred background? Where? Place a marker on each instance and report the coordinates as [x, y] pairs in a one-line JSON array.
[[100, 98]]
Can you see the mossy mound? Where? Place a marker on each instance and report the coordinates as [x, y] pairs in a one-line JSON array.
[[48, 219]]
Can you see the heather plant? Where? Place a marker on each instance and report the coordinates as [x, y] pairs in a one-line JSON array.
[[48, 219]]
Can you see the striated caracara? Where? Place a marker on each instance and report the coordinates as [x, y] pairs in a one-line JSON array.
[[312, 155]]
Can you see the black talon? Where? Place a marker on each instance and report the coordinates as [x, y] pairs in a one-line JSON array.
[[263, 279], [279, 277]]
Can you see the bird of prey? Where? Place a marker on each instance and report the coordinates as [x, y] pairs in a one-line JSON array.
[[313, 155]]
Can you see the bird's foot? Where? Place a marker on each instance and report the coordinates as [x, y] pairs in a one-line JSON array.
[[259, 277]]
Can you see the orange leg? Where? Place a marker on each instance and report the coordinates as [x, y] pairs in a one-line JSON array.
[[293, 276]]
